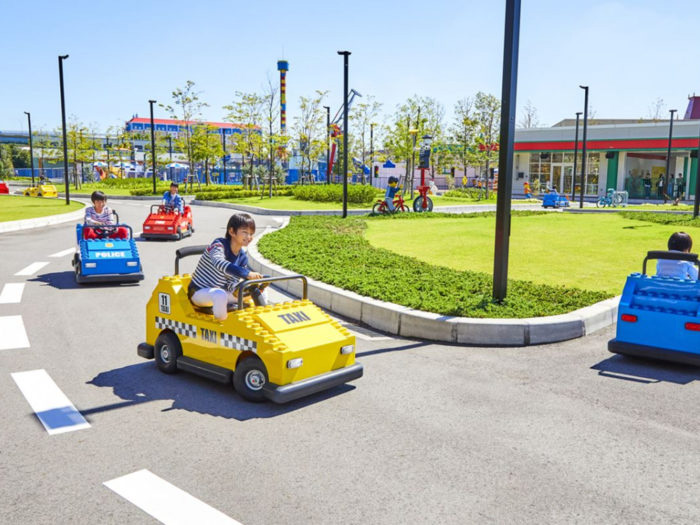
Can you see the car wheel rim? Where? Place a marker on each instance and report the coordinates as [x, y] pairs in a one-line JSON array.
[[254, 380], [165, 353]]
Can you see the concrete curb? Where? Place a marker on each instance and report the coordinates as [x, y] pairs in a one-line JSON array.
[[40, 222], [407, 322]]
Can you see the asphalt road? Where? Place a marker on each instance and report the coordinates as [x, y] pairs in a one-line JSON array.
[[563, 433]]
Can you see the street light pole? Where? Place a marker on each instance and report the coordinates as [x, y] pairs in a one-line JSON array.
[[583, 147], [223, 145], [573, 181], [696, 203], [345, 54], [153, 146], [505, 152], [31, 146], [668, 152], [61, 58], [413, 132], [328, 138]]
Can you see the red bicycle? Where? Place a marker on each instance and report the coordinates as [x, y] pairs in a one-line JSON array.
[[380, 207]]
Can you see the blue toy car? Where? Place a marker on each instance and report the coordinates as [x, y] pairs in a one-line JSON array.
[[106, 258], [658, 317], [554, 200]]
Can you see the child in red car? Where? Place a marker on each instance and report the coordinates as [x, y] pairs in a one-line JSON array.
[[98, 215]]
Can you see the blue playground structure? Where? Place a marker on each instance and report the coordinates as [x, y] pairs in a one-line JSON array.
[[658, 317]]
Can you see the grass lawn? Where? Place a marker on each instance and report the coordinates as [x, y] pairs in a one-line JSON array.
[[18, 208], [592, 252]]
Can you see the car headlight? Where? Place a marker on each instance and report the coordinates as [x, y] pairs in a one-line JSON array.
[[90, 265], [347, 349], [170, 228], [295, 363], [146, 227], [132, 263]]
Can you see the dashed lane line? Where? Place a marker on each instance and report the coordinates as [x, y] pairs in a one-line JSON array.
[[32, 268], [63, 253], [50, 404], [12, 333], [11, 293], [164, 501]]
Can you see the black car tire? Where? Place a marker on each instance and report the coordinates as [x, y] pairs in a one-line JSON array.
[[249, 378], [166, 351]]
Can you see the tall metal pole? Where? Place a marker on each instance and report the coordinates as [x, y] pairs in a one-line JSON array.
[[584, 145], [61, 58], [505, 153], [345, 54], [153, 146], [668, 153], [31, 146], [573, 177], [371, 153], [696, 203], [328, 138]]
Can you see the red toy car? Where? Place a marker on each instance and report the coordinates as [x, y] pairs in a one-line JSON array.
[[3, 187], [164, 222]]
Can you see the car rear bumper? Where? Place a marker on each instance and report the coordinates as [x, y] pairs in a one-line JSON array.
[[286, 393], [109, 278], [169, 236], [653, 352]]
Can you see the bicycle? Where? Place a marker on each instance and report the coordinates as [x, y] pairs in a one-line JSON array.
[[611, 199], [380, 207]]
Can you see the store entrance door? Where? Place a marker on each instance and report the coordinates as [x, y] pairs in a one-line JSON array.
[[562, 177]]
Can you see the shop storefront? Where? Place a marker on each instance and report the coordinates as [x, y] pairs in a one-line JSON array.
[[625, 156]]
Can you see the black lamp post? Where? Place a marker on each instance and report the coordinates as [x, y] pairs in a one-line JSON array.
[[223, 145], [345, 54], [153, 146], [505, 152], [668, 153], [696, 203], [583, 146], [31, 146], [328, 138], [61, 58], [573, 181]]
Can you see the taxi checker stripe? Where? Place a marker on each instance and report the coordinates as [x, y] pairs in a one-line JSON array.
[[238, 343], [188, 330]]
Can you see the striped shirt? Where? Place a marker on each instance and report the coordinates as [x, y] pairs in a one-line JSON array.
[[219, 267], [92, 217]]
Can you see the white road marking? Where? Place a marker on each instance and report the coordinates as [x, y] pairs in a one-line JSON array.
[[164, 501], [52, 407], [11, 293], [12, 333], [63, 253], [32, 268]]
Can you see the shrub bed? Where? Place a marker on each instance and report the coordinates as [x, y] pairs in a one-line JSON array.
[[357, 193], [468, 193], [334, 250], [676, 219], [238, 194]]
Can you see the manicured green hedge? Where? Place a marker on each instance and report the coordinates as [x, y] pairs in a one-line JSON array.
[[358, 193], [238, 194], [333, 250], [677, 219], [468, 193]]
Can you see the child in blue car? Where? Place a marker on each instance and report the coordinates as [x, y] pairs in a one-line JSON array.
[[392, 189], [222, 267], [678, 242], [172, 200]]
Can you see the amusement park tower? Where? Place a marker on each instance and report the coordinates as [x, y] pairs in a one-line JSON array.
[[283, 67]]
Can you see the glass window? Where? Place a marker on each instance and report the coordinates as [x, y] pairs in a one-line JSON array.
[[556, 157]]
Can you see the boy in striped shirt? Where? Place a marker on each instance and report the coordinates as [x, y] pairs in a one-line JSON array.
[[99, 214], [222, 266]]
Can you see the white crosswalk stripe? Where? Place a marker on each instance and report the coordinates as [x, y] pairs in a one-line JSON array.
[[63, 253], [164, 501], [32, 268], [12, 333], [11, 293]]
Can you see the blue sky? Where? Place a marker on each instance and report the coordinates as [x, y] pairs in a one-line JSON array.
[[630, 52]]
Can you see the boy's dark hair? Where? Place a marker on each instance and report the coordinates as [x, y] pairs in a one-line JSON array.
[[680, 242], [393, 179], [98, 196], [239, 220], [175, 184]]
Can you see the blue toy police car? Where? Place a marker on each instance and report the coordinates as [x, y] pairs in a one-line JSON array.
[[554, 200], [106, 258], [659, 317]]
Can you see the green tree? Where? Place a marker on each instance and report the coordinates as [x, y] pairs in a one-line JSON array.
[[488, 114], [247, 110], [187, 107], [6, 166], [309, 130], [206, 147], [465, 129], [361, 117]]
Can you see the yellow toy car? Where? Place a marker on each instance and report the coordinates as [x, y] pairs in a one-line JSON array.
[[278, 352], [41, 190]]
